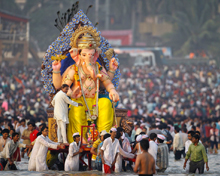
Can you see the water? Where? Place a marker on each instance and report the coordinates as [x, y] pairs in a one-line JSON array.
[[175, 169]]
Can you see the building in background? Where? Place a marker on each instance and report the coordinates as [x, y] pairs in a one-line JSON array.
[[14, 37]]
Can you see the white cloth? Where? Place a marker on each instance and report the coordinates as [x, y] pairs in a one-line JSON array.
[[37, 160], [60, 103], [20, 129], [187, 144], [10, 149], [139, 149], [3, 142], [178, 142], [138, 131], [72, 162], [110, 149], [61, 131], [216, 134], [184, 137], [122, 153], [126, 145], [153, 149]]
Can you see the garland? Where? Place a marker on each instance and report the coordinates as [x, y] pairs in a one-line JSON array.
[[79, 82]]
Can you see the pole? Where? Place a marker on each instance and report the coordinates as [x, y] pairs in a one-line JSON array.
[[96, 10], [133, 23], [107, 14]]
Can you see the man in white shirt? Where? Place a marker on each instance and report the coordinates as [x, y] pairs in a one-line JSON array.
[[10, 148], [109, 152], [189, 141], [4, 139], [177, 144], [21, 127], [153, 146], [60, 103], [37, 160], [72, 159], [184, 136]]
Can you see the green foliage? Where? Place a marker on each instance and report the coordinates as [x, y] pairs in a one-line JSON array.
[[195, 22], [195, 26]]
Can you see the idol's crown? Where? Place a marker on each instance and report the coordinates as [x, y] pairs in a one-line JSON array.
[[85, 37]]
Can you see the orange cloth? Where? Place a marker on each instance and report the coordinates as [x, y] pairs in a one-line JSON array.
[[191, 55]]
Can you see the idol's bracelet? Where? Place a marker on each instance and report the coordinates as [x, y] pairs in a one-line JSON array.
[[113, 72], [111, 89], [56, 72]]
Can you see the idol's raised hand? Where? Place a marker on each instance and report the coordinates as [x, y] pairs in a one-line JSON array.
[[113, 64], [56, 65]]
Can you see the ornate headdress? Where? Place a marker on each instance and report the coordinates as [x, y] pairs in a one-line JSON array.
[[85, 37], [66, 24]]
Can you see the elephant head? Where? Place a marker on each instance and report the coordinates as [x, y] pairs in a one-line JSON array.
[[85, 58]]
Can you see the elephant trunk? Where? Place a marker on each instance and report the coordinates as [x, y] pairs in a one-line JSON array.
[[91, 71]]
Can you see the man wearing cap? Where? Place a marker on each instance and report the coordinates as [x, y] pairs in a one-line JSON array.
[[94, 148], [72, 160], [109, 152], [162, 154], [137, 148], [60, 103]]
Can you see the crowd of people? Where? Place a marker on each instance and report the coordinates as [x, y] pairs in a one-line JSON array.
[[180, 95], [21, 94], [182, 90], [174, 109], [113, 151]]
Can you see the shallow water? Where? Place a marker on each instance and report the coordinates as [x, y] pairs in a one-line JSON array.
[[175, 169]]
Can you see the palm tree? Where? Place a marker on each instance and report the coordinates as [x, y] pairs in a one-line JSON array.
[[195, 27]]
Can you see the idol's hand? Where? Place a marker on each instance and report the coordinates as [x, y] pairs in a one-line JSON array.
[[113, 64], [56, 65], [75, 93], [114, 95]]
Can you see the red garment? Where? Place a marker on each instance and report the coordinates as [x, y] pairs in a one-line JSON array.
[[107, 169], [129, 113], [17, 155], [207, 131], [33, 135]]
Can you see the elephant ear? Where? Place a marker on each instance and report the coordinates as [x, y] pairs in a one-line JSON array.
[[96, 56], [75, 55]]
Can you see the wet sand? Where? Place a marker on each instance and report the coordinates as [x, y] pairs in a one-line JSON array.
[[175, 169]]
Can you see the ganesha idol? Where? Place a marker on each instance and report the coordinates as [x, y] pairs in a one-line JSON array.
[[85, 78]]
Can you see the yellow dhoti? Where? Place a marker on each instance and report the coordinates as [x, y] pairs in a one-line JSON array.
[[77, 116]]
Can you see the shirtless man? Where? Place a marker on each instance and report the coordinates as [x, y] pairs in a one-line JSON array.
[[145, 164]]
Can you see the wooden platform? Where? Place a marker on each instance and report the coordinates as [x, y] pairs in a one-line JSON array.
[[52, 126]]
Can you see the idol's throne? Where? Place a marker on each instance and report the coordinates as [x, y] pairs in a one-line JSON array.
[[121, 117]]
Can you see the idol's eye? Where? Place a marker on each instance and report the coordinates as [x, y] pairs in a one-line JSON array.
[[84, 55]]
